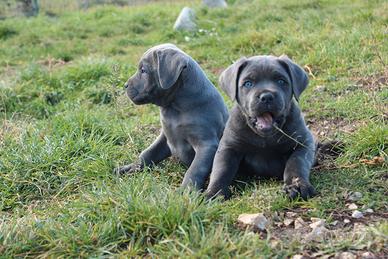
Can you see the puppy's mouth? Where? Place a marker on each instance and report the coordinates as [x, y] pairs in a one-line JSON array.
[[264, 122]]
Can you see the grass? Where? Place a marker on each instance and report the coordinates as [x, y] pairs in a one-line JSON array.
[[66, 123]]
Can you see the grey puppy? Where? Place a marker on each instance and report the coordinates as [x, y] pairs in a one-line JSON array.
[[266, 134], [192, 112]]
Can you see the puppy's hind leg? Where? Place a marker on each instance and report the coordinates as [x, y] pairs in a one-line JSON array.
[[154, 154]]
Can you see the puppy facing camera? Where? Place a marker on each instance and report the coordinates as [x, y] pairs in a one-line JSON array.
[[266, 134]]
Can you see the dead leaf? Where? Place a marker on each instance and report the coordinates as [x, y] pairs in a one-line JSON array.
[[377, 160]]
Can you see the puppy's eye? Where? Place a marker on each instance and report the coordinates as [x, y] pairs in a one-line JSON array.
[[248, 84], [282, 82]]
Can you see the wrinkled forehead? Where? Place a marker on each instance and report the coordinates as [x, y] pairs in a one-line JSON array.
[[264, 67], [148, 56]]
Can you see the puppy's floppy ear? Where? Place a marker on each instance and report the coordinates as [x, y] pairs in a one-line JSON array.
[[169, 65], [298, 76], [229, 78]]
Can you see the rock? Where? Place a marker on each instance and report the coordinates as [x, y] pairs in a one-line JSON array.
[[320, 88], [276, 217], [355, 196], [368, 255], [258, 220], [186, 20], [357, 214], [317, 234], [346, 255], [352, 206], [346, 221], [215, 3], [299, 257], [334, 223], [288, 222], [368, 211], [317, 223], [299, 223], [290, 214]]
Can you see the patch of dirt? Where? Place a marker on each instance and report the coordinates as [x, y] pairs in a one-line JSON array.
[[374, 82], [328, 128], [294, 225], [53, 62]]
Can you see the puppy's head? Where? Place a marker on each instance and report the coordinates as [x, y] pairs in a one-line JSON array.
[[158, 71], [263, 87]]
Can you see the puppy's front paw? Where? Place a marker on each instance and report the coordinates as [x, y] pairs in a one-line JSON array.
[[128, 169], [212, 194], [299, 187]]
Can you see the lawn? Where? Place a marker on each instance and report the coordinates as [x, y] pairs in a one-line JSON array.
[[66, 124]]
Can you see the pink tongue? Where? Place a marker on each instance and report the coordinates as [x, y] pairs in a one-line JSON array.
[[264, 121]]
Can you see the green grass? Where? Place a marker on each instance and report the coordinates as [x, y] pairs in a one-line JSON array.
[[66, 123]]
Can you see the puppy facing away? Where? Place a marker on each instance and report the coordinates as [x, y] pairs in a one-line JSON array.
[[192, 112], [266, 134]]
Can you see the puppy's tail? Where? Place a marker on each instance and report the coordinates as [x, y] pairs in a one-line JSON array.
[[328, 151]]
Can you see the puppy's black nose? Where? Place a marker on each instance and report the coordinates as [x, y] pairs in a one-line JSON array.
[[266, 97], [126, 85]]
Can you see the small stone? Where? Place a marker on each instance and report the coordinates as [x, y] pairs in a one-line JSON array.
[[276, 217], [299, 223], [355, 196], [317, 234], [318, 223], [346, 221], [357, 214], [315, 219], [215, 3], [320, 88], [352, 206], [290, 214], [334, 223], [346, 255], [258, 220], [368, 255], [368, 211], [299, 257], [288, 222], [185, 20]]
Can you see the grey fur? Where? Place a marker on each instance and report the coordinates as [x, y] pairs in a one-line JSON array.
[[192, 112], [283, 147]]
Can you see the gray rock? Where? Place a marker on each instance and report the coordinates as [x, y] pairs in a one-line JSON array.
[[317, 223], [352, 206], [299, 223], [258, 220], [215, 3], [317, 234], [186, 20], [357, 214], [368, 255], [345, 255], [355, 196]]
